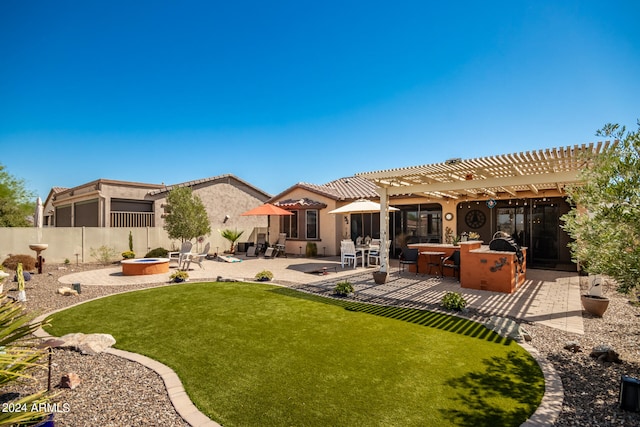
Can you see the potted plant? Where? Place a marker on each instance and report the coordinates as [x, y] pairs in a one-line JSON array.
[[593, 302], [343, 289], [380, 277], [179, 276], [264, 276]]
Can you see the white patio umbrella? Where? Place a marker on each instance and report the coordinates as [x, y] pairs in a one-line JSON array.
[[360, 206]]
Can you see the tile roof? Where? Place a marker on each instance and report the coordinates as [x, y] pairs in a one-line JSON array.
[[225, 177], [348, 188], [301, 203]]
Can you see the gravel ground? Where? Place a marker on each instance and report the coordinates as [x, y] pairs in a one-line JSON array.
[[117, 392]]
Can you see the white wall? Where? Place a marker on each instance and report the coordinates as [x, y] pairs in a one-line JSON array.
[[67, 242]]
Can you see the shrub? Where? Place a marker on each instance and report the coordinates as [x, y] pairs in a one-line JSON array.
[[453, 301], [264, 276], [104, 254], [157, 253], [311, 250], [128, 255], [28, 262], [343, 288], [66, 261]]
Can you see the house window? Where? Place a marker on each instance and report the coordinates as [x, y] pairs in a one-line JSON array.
[[290, 225], [312, 224]]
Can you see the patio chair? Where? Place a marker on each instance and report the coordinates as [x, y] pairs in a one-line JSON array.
[[179, 256], [453, 262], [374, 251], [409, 256], [280, 245], [197, 259], [349, 253]]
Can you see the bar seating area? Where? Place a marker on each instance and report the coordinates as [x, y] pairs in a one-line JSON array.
[[479, 268]]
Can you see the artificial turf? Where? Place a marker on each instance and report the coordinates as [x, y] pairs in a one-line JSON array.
[[258, 354]]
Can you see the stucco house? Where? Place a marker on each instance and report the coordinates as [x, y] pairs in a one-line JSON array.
[[522, 194], [124, 204]]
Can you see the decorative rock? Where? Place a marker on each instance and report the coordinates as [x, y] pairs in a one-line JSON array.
[[573, 346], [70, 380], [90, 344], [66, 291], [507, 328], [604, 353]]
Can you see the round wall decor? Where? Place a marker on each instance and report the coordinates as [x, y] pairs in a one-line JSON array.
[[448, 216], [475, 218]]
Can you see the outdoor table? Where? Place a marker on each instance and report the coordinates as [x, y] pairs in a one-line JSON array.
[[430, 255], [365, 253]]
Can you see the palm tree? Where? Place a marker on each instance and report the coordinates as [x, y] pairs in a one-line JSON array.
[[232, 236]]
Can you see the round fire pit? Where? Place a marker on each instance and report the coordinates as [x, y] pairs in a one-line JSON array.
[[144, 266]]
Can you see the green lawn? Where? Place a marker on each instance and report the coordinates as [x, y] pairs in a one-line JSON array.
[[257, 354]]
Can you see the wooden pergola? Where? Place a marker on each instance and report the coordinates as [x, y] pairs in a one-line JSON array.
[[517, 175]]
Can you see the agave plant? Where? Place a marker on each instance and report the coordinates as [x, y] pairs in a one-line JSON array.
[[17, 357], [232, 236]]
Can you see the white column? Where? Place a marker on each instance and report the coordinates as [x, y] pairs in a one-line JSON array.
[[384, 228]]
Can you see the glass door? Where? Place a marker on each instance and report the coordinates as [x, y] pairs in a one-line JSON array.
[[544, 233]]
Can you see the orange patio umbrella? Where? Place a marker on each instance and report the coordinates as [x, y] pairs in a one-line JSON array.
[[267, 209]]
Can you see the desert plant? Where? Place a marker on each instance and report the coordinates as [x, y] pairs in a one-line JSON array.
[[311, 250], [157, 253], [232, 236], [17, 358], [343, 288], [104, 254], [179, 276], [66, 261], [130, 241], [128, 255], [453, 301], [264, 276], [28, 262]]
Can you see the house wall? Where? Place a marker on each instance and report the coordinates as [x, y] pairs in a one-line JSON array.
[[330, 226], [232, 199]]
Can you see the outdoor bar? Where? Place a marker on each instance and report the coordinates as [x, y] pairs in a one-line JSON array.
[[480, 267]]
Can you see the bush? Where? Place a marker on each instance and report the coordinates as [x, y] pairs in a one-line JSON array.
[[28, 262], [104, 254], [157, 253], [264, 276], [343, 288], [453, 301], [128, 255]]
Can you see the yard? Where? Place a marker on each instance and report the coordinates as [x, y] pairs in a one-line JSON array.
[[252, 354]]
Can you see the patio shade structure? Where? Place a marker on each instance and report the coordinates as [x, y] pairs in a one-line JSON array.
[[267, 210]]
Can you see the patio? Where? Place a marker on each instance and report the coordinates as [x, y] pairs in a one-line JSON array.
[[550, 298]]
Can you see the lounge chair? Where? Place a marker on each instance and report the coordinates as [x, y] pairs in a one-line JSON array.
[[197, 259], [280, 245]]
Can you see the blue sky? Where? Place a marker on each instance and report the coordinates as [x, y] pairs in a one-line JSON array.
[[287, 91]]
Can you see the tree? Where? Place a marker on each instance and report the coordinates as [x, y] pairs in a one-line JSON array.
[[15, 201], [605, 221], [232, 236], [187, 217]]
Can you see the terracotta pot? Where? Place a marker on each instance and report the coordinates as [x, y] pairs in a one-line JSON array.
[[594, 305], [380, 277]]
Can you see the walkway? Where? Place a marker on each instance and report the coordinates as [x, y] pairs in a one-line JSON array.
[[550, 298]]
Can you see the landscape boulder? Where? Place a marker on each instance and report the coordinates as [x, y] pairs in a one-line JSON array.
[[90, 344], [507, 328]]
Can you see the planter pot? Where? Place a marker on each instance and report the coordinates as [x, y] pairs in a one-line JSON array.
[[594, 304], [380, 277]]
